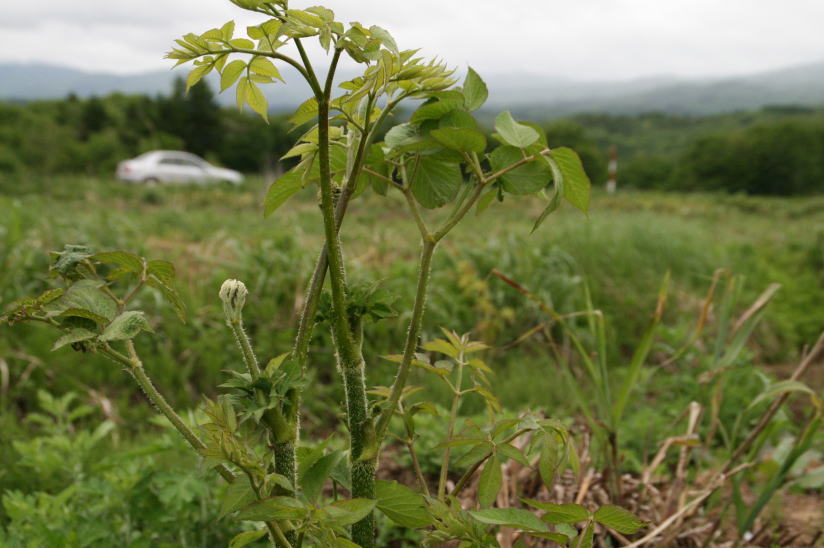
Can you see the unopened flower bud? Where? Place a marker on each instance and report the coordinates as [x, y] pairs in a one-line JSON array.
[[233, 294]]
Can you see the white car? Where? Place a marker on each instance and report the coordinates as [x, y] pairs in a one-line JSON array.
[[168, 166]]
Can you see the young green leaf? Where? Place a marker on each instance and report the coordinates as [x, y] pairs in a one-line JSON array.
[[347, 512], [237, 495], [512, 452], [281, 190], [490, 481], [264, 66], [560, 513], [275, 508], [247, 537], [231, 73], [577, 187], [513, 133], [128, 262], [126, 326], [474, 90], [619, 519], [196, 74], [314, 478], [75, 335], [257, 100], [83, 299], [402, 505], [306, 112], [510, 517]]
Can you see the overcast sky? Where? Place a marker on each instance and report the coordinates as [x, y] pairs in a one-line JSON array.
[[578, 39]]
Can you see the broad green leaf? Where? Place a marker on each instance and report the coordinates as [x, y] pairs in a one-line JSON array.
[[242, 43], [257, 100], [281, 190], [162, 270], [512, 452], [306, 18], [169, 292], [264, 66], [434, 183], [577, 187], [462, 140], [434, 111], [401, 135], [237, 495], [75, 335], [528, 178], [300, 150], [196, 74], [513, 133], [306, 112], [347, 512], [402, 505], [384, 36], [440, 345], [619, 519], [227, 30], [83, 296], [275, 508], [128, 262], [548, 462], [490, 481], [558, 538], [474, 90], [315, 477], [324, 13], [458, 119], [510, 517], [246, 537], [241, 91], [126, 326], [560, 513], [231, 72]]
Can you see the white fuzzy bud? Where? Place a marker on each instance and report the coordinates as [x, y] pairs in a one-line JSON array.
[[233, 294]]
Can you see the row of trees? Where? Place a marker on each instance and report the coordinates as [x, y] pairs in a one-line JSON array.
[[777, 151], [774, 151], [92, 135]]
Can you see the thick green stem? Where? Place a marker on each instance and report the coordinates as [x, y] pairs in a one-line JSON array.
[[351, 362]]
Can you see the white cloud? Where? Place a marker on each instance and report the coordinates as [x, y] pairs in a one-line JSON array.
[[584, 39]]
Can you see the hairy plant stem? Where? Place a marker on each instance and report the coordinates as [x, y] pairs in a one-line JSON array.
[[134, 367], [245, 346], [453, 417], [412, 334], [429, 243], [351, 363]]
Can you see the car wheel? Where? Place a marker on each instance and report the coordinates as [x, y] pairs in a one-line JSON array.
[[150, 181]]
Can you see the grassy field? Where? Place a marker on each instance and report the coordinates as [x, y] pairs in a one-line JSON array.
[[619, 256]]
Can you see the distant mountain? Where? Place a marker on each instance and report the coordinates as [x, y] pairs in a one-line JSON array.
[[537, 96]]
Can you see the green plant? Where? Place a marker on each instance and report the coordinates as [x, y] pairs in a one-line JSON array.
[[82, 489], [438, 158]]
